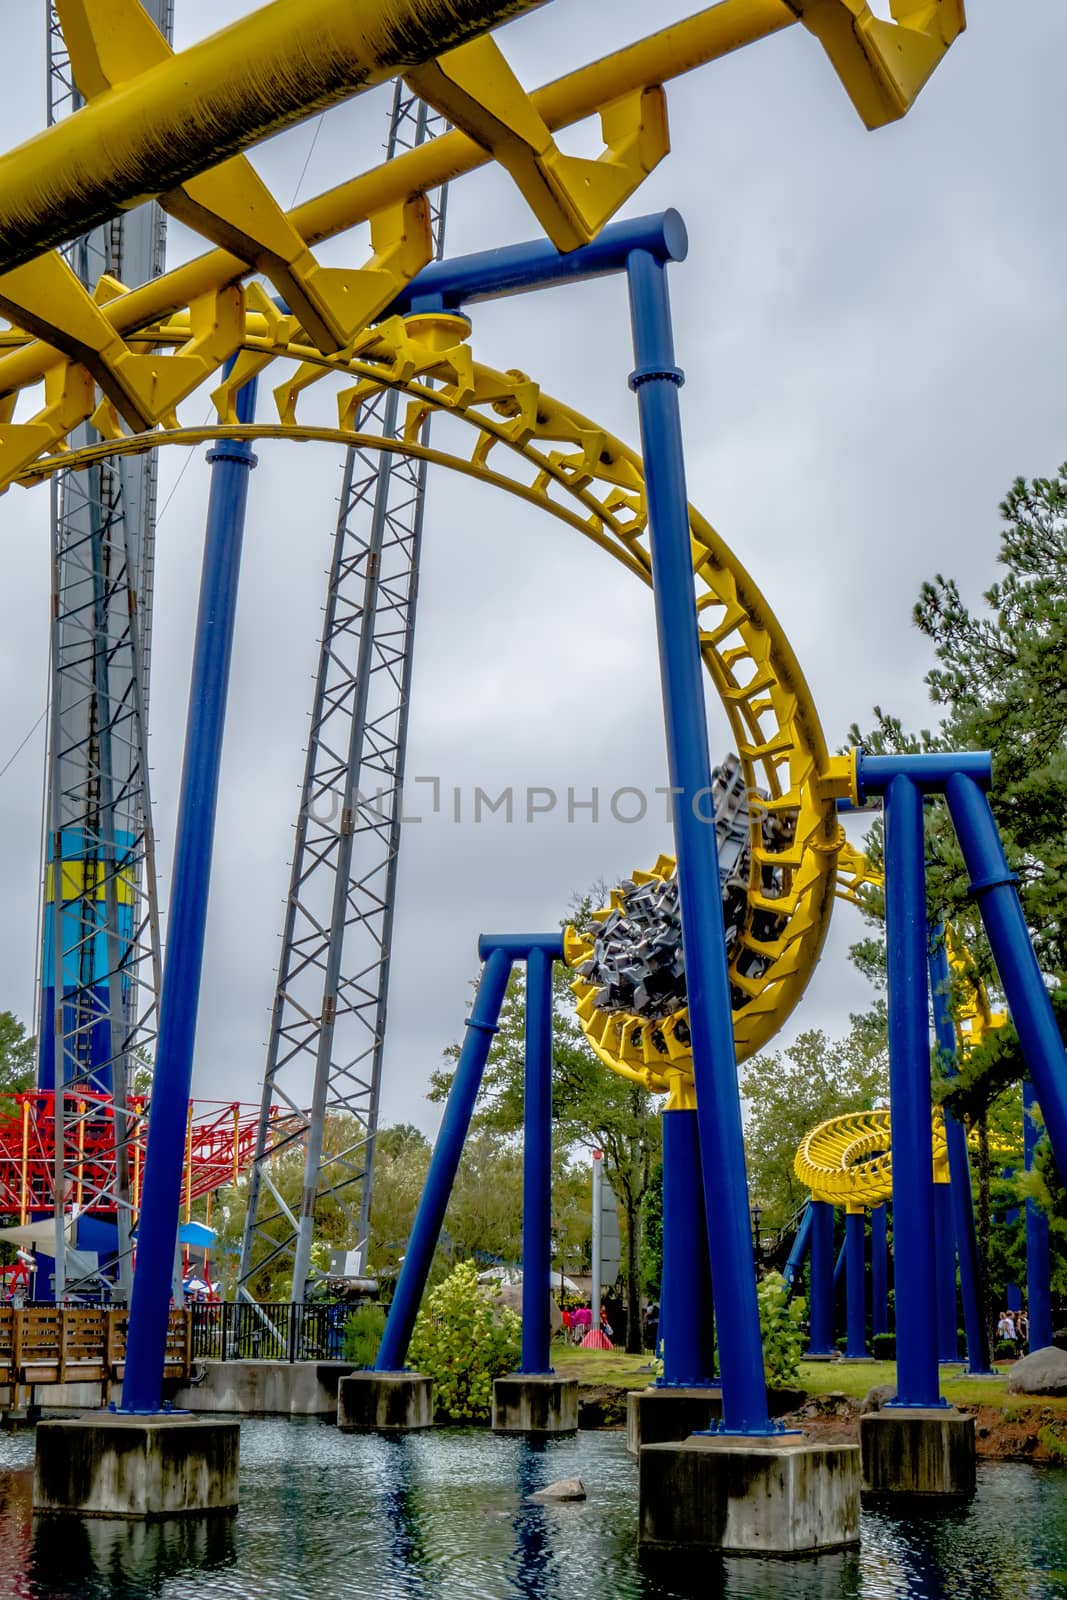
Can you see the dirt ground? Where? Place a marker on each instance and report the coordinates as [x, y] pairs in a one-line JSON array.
[[1016, 1431], [1021, 1431]]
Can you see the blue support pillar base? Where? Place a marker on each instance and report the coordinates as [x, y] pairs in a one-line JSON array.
[[144, 1468], [384, 1402], [750, 1495], [918, 1452], [526, 1402]]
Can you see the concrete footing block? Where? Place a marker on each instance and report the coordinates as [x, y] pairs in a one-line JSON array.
[[535, 1403], [384, 1402], [108, 1465], [667, 1416], [918, 1452], [264, 1388], [750, 1496]]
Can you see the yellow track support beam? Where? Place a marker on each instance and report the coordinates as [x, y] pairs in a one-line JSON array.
[[110, 43], [36, 184], [883, 65], [190, 111], [571, 198]]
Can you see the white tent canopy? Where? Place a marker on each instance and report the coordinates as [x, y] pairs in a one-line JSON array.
[[38, 1235], [513, 1275]]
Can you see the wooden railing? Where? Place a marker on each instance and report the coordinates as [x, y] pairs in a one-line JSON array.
[[74, 1344]]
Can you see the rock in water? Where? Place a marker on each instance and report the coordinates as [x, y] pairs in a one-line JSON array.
[[562, 1489], [1043, 1372]]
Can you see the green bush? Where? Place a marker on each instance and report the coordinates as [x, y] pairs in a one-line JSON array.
[[884, 1346], [783, 1341], [363, 1334], [463, 1342]]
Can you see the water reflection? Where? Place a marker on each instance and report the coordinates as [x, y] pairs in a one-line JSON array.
[[406, 1548], [101, 1556], [685, 1575], [532, 1570]]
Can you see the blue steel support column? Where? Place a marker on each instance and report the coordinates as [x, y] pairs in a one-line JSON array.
[[879, 1271], [537, 1167], [685, 1294], [481, 1026], [1038, 1262], [801, 1246], [856, 1284], [656, 381], [821, 1275], [157, 1232], [994, 887], [948, 1348], [959, 1166], [909, 1096]]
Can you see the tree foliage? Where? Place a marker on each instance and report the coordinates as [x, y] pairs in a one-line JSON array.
[[18, 1055], [788, 1092], [463, 1342], [999, 684], [781, 1319], [652, 1234]]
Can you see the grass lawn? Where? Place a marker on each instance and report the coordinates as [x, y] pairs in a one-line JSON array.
[[820, 1377], [816, 1377], [601, 1366]]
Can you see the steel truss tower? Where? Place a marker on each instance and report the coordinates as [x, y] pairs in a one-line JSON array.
[[322, 1083], [100, 957]]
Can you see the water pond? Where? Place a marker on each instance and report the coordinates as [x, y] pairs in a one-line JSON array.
[[443, 1516]]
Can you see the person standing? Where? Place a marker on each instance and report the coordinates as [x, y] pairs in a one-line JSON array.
[[1006, 1330]]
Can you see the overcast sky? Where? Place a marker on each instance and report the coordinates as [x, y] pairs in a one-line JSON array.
[[874, 337]]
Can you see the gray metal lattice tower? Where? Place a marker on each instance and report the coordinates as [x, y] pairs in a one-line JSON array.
[[100, 959], [324, 1056]]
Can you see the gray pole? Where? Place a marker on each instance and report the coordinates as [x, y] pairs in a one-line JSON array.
[[598, 1222]]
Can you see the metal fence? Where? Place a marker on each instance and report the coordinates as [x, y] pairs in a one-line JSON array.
[[275, 1331]]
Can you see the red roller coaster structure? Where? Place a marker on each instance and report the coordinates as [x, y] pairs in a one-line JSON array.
[[219, 1144]]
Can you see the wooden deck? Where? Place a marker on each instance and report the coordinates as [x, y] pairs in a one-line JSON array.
[[76, 1344]]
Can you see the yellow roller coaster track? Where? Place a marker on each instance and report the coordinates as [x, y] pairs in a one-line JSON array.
[[848, 1162], [848, 1159], [550, 455]]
